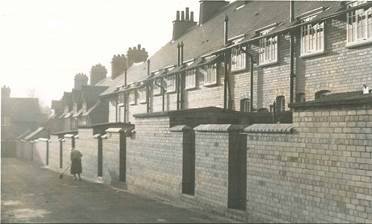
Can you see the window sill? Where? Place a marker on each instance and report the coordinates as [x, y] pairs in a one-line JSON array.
[[359, 43], [132, 103], [268, 63], [309, 55], [239, 71], [143, 102], [171, 91], [191, 88], [157, 94], [210, 84]]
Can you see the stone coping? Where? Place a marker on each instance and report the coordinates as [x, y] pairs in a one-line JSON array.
[[68, 135], [114, 130], [180, 128], [187, 111], [270, 128], [43, 139], [334, 100], [218, 128]]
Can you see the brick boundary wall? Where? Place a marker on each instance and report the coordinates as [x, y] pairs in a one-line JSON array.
[[87, 145], [154, 158], [40, 151], [111, 157], [320, 173]]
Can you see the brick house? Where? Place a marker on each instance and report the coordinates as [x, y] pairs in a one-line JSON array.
[[250, 56]]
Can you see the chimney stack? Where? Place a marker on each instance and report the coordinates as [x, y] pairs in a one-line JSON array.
[[210, 8], [80, 81], [180, 27]]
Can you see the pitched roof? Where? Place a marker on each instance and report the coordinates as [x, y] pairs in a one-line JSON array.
[[37, 133], [105, 82], [90, 94], [208, 37]]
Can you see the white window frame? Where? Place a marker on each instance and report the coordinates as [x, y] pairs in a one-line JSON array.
[[238, 60], [210, 74], [312, 39], [358, 25], [121, 113], [268, 49], [190, 79], [171, 83], [132, 98], [142, 95], [156, 89]]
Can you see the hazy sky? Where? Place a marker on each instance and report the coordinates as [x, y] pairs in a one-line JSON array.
[[44, 43]]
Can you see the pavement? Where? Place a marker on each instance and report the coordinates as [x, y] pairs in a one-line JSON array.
[[33, 194]]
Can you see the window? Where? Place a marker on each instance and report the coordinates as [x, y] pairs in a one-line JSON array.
[[268, 49], [156, 88], [171, 84], [142, 95], [190, 79], [121, 113], [85, 107], [132, 97], [245, 105], [359, 24], [312, 39], [121, 97], [238, 59], [280, 104], [210, 74]]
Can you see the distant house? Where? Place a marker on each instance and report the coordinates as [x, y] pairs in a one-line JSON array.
[[18, 115]]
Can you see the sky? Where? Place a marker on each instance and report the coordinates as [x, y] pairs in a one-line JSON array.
[[45, 43]]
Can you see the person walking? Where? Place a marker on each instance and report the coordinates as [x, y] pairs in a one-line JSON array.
[[76, 167]]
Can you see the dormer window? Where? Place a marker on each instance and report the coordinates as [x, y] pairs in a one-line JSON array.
[[238, 59], [171, 84], [142, 95], [190, 79], [268, 46], [359, 24], [132, 97], [156, 87], [210, 74], [312, 34]]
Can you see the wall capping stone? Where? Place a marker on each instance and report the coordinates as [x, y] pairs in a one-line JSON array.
[[336, 100], [219, 128], [68, 135], [180, 128], [114, 130], [270, 128], [43, 139]]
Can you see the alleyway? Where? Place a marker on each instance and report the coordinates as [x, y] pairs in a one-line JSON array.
[[33, 194]]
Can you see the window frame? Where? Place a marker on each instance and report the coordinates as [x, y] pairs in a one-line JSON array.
[[132, 97], [265, 45], [212, 67], [142, 95], [171, 81], [318, 30], [156, 90], [352, 29], [190, 73], [236, 54]]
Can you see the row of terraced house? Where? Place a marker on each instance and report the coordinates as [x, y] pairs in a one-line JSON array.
[[259, 111]]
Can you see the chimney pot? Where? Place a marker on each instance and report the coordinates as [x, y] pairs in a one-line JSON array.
[[182, 16], [187, 14], [178, 16], [139, 46], [192, 16]]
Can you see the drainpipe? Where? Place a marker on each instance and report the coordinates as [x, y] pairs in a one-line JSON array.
[[251, 71], [292, 49], [225, 31], [148, 88], [179, 80], [162, 90]]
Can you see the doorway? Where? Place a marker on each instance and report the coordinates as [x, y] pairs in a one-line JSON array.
[[100, 157], [122, 157], [188, 163]]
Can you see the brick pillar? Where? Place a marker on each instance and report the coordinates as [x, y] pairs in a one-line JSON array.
[[219, 165]]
